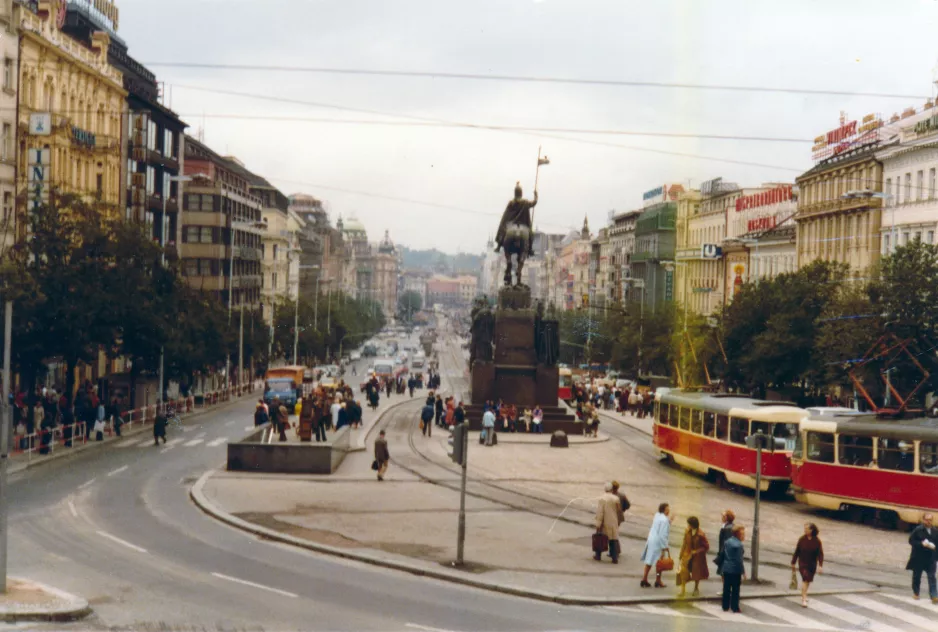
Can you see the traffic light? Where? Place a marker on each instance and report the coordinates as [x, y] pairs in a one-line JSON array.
[[765, 442], [458, 443]]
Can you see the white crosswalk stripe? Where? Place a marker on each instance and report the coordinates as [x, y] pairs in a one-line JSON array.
[[852, 618], [216, 442], [145, 442], [717, 612], [194, 442], [891, 611], [789, 616], [924, 602]]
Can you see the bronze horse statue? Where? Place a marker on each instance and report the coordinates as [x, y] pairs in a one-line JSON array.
[[515, 235]]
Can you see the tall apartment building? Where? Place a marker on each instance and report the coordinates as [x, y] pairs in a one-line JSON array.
[[621, 247], [221, 228], [9, 46], [279, 244], [71, 99], [839, 212]]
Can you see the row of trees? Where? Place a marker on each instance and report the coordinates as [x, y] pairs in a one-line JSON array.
[[84, 282], [800, 333]]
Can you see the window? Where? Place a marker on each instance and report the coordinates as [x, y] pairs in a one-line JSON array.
[[761, 426], [208, 203], [739, 430], [821, 447], [917, 236], [908, 188], [788, 433], [7, 73], [192, 267], [151, 180], [905, 238], [886, 243], [857, 451], [7, 208], [192, 234], [169, 149], [672, 418], [928, 458], [99, 183], [930, 237], [920, 185], [206, 235], [895, 454], [205, 267], [888, 187], [709, 423], [697, 422], [931, 183], [685, 418], [6, 143], [151, 135]]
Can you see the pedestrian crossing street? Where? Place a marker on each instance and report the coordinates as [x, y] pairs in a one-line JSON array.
[[875, 612], [183, 442]]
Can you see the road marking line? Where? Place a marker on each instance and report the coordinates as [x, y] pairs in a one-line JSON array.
[[216, 442], [126, 443], [114, 538], [189, 444], [924, 602], [786, 615], [895, 613], [87, 483], [145, 443], [253, 585], [173, 442], [417, 626], [249, 428], [661, 610], [71, 507], [858, 620], [118, 470], [717, 611]]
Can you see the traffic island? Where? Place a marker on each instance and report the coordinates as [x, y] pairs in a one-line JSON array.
[[258, 452], [26, 600]]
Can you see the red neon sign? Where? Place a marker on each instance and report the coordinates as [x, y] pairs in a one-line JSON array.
[[779, 194]]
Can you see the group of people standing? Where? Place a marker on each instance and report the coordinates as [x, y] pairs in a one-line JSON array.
[[439, 412], [501, 417]]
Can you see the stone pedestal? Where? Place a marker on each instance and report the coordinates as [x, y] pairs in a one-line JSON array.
[[514, 375]]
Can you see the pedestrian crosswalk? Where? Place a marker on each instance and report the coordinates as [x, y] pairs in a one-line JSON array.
[[183, 442], [874, 612]]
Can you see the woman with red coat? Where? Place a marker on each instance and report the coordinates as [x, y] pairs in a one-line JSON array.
[[809, 555], [693, 557]]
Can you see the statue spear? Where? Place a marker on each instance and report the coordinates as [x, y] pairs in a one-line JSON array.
[[537, 173]]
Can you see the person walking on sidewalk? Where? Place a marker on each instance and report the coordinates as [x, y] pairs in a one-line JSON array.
[[733, 568], [656, 543], [693, 557], [159, 428], [809, 554], [382, 456], [354, 413], [283, 419], [609, 516], [922, 558], [488, 426], [439, 410], [426, 420], [260, 415]]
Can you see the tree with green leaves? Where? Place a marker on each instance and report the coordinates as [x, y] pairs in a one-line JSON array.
[[408, 304]]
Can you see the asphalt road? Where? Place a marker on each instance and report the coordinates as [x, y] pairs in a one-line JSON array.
[[116, 526]]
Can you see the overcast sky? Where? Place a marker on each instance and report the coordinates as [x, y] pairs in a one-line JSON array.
[[842, 45]]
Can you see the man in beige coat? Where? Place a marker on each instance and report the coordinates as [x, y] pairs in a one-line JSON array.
[[609, 516]]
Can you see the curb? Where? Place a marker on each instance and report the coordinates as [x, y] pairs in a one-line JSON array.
[[74, 609], [203, 503], [65, 453]]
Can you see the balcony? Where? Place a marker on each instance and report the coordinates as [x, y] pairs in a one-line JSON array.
[[155, 204], [840, 205], [204, 251], [246, 282], [248, 254], [156, 158], [32, 23]]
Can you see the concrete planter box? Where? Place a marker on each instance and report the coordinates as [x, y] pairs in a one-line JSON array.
[[250, 455]]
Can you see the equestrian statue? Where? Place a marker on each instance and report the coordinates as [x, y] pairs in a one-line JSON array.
[[515, 234]]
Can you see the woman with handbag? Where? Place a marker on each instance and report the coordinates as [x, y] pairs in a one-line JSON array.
[[809, 554], [693, 557], [656, 551]]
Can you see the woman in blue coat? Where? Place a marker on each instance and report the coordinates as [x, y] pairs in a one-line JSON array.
[[733, 569], [656, 543]]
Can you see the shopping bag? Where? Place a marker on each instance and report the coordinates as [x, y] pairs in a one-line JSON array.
[[374, 465], [793, 585], [421, 424]]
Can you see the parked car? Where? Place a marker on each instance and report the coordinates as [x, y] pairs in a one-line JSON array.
[[355, 356]]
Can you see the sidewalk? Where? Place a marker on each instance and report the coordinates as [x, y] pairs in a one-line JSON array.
[[19, 461], [27, 600], [509, 551]]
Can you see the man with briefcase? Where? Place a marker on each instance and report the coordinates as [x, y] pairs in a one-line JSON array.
[[609, 516]]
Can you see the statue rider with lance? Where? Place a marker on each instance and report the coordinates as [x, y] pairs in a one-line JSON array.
[[517, 212]]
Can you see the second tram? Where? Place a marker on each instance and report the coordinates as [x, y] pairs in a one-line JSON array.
[[707, 432], [868, 465]]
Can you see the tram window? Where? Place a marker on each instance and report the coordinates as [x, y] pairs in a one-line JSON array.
[[685, 418], [709, 424], [697, 422], [663, 413], [893, 454], [855, 450], [798, 451], [821, 447], [673, 418], [723, 427], [787, 432], [928, 458], [739, 430]]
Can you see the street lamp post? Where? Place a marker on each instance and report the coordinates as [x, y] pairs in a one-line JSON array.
[[168, 180], [640, 284]]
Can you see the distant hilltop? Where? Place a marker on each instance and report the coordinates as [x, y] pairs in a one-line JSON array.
[[439, 262]]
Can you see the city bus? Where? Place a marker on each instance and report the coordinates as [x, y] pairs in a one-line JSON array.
[[870, 467], [706, 433]]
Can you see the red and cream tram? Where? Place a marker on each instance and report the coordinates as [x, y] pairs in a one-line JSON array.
[[867, 463], [707, 432]]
